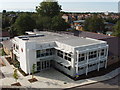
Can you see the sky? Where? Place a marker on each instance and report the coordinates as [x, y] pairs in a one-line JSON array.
[[67, 5], [60, 0]]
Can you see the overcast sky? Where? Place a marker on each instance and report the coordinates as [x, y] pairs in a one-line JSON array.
[[75, 6], [60, 0]]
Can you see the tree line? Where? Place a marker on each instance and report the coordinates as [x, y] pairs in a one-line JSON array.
[[48, 16]]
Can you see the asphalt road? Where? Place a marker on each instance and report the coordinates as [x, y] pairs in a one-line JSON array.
[[112, 83]]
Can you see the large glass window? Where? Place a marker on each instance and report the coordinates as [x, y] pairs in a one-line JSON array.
[[38, 66], [44, 52]]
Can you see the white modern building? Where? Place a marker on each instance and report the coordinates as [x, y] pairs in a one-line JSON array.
[[70, 54]]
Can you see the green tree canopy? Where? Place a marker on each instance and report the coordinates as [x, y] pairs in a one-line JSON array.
[[43, 23], [49, 8], [15, 75], [5, 21], [117, 29], [94, 24], [59, 24], [24, 23]]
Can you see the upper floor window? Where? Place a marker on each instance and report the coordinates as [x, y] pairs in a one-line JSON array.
[[81, 57], [67, 56], [44, 52], [102, 52], [60, 53], [92, 54]]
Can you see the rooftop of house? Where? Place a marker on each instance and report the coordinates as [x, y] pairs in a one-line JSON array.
[[91, 35], [7, 44], [46, 37], [4, 34]]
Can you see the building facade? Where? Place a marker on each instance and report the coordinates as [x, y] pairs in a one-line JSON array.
[[70, 54]]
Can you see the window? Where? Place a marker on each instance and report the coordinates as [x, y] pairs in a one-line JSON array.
[[67, 57], [81, 57], [102, 61], [60, 53], [38, 66], [90, 65], [69, 67], [44, 52], [102, 52], [92, 54], [14, 46], [47, 52], [38, 53]]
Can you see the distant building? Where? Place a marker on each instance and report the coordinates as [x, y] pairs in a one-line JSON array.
[[109, 26], [70, 54], [106, 13], [109, 33], [4, 35], [65, 17], [78, 25]]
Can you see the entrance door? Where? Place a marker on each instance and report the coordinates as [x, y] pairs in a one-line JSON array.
[[42, 65]]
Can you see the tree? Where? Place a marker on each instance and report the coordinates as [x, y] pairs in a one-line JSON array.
[[49, 8], [15, 75], [3, 52], [33, 70], [5, 21], [94, 24], [4, 11], [46, 21], [59, 24], [117, 29], [39, 22], [24, 23], [12, 31]]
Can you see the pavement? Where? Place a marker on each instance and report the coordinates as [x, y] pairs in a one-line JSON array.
[[111, 83], [50, 78]]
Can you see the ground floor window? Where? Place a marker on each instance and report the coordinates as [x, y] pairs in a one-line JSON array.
[[41, 65]]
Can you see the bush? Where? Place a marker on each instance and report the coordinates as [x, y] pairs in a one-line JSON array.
[[3, 52]]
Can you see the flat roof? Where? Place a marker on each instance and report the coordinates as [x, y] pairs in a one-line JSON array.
[[46, 37]]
